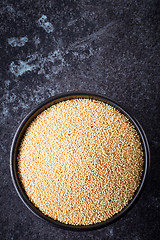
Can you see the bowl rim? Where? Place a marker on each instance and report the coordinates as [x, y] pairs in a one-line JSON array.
[[29, 118]]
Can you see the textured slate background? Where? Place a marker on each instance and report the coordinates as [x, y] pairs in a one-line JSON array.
[[108, 47]]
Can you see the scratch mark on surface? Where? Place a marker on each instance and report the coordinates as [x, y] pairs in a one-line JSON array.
[[47, 26], [17, 42], [92, 36]]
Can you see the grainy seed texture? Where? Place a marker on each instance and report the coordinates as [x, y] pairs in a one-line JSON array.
[[80, 161]]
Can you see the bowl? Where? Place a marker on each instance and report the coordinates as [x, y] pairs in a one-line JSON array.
[[19, 135]]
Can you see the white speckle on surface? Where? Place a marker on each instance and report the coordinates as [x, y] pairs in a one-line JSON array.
[[136, 238], [75, 54], [53, 63], [24, 105], [7, 82], [5, 111], [10, 9], [72, 22], [36, 40], [83, 52], [155, 202], [10, 97], [21, 67], [111, 231], [17, 42], [47, 26]]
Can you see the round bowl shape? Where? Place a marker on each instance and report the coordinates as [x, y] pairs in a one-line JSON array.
[[19, 135]]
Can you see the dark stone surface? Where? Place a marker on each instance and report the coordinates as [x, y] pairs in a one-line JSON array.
[[108, 47]]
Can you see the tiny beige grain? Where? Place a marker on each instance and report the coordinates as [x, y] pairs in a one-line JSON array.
[[80, 161]]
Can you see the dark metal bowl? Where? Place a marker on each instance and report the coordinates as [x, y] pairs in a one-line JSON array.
[[21, 130]]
